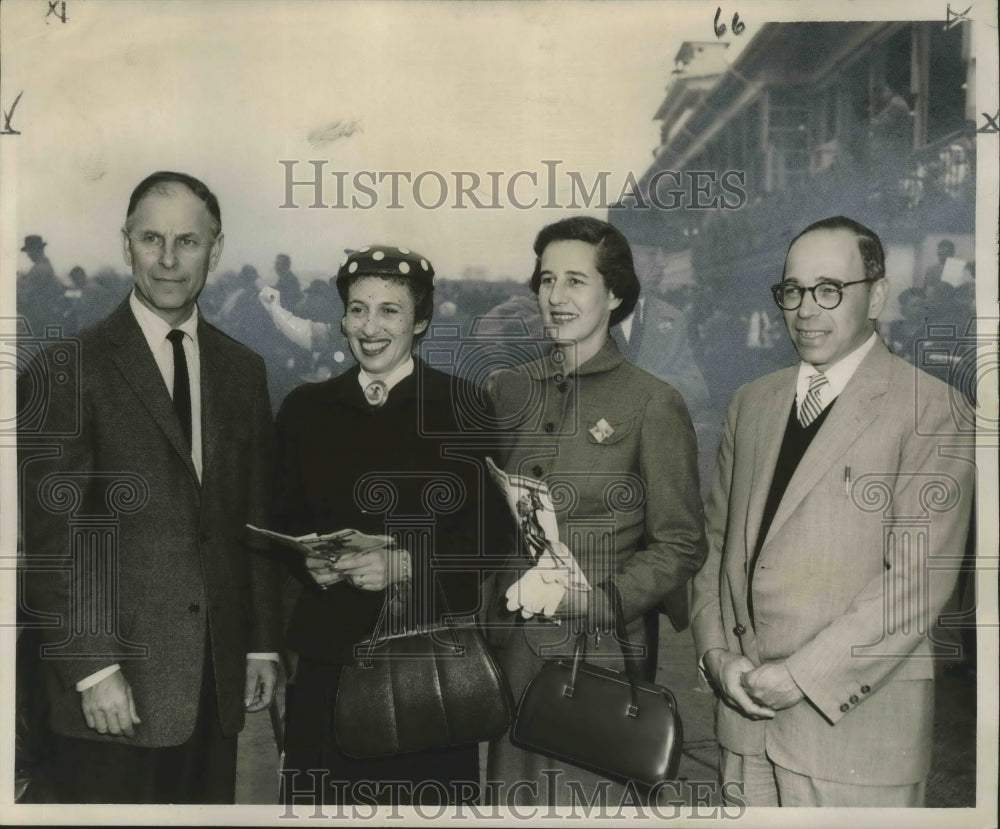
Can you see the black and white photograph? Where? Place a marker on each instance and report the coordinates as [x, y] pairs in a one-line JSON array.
[[558, 412]]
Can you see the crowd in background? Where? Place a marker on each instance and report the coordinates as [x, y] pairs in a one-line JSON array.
[[730, 341]]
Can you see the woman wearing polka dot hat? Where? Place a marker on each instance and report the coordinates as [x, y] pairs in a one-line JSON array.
[[366, 450], [617, 449]]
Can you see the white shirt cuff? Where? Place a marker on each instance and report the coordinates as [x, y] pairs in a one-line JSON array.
[[273, 657], [93, 679]]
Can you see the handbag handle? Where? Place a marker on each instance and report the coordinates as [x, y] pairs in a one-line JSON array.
[[581, 650], [366, 659]]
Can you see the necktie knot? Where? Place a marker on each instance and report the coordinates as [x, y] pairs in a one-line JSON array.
[[813, 403]]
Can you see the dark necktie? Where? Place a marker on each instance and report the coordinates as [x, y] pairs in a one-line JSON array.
[[182, 384]]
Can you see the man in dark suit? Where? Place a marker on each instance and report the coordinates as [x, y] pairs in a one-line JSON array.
[[836, 525], [151, 453]]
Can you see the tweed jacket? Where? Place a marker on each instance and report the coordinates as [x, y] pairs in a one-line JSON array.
[[627, 504], [858, 561], [131, 559]]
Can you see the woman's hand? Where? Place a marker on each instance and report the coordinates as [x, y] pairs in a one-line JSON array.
[[322, 571], [375, 569]]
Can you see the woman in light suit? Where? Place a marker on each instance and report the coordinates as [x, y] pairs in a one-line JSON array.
[[617, 450]]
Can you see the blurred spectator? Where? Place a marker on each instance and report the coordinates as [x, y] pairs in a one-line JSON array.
[[655, 338], [100, 295], [905, 333], [891, 135], [240, 315], [244, 319], [39, 291], [948, 269], [288, 283], [67, 307]]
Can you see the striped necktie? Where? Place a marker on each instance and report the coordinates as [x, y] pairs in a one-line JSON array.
[[813, 404]]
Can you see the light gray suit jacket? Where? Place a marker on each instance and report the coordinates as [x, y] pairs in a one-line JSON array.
[[859, 559]]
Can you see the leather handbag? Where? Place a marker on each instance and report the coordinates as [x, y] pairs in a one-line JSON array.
[[431, 687], [610, 722]]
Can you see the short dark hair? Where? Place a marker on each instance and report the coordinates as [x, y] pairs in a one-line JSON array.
[[422, 292], [614, 258], [869, 244], [159, 182]]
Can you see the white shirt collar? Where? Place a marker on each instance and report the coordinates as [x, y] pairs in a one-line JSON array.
[[400, 372], [154, 328], [838, 375]]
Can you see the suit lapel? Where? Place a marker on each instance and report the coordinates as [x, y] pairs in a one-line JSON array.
[[134, 360], [772, 415], [852, 413], [213, 398]]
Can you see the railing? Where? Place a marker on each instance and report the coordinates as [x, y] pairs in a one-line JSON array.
[[948, 166]]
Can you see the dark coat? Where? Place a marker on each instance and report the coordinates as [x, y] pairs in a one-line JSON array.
[[411, 468], [160, 563]]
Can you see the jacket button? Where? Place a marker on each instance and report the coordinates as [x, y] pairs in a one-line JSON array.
[[537, 471], [854, 699], [739, 630], [550, 427], [865, 689], [845, 708], [194, 608]]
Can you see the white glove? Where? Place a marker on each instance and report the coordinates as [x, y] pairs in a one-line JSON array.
[[537, 591], [270, 298], [298, 330]]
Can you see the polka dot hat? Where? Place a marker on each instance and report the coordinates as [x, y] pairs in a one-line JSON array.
[[382, 260]]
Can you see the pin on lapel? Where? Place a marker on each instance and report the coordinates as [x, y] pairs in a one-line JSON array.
[[601, 431]]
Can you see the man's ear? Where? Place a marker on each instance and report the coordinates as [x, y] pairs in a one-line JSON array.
[[877, 298], [216, 254], [126, 249]]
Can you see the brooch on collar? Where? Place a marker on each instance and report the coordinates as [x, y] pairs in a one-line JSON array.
[[601, 430]]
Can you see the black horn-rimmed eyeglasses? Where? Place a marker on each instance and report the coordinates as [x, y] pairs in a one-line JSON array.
[[827, 295]]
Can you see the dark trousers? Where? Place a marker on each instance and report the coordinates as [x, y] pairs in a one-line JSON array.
[[201, 770]]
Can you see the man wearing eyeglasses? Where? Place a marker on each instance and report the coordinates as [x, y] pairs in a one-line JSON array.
[[167, 628], [830, 521]]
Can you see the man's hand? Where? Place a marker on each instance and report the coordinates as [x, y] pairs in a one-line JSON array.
[[262, 679], [772, 685], [725, 670], [108, 706]]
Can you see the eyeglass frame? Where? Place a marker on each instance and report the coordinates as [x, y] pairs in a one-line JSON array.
[[804, 290]]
